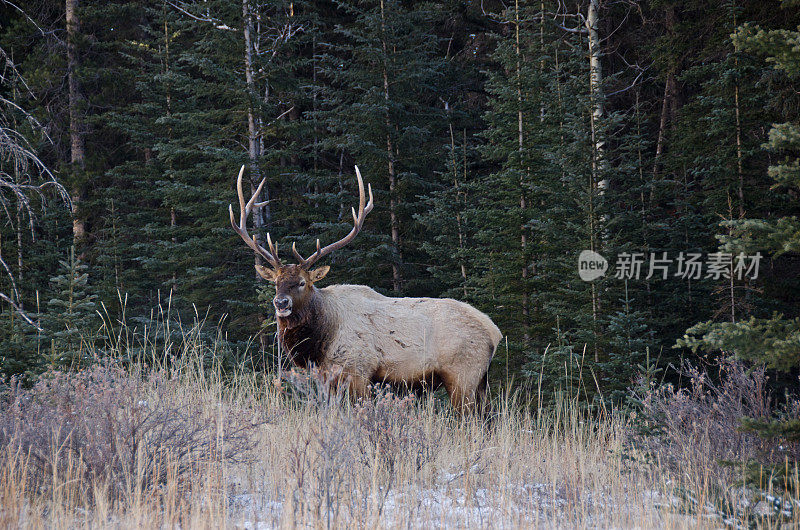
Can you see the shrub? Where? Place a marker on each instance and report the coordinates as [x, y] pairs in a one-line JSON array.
[[389, 428], [116, 430], [699, 432]]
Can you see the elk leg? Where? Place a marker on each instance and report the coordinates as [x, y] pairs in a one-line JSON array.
[[462, 400], [482, 394], [358, 387], [339, 378]]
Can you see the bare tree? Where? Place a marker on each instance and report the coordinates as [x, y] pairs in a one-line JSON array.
[[24, 179], [263, 40]]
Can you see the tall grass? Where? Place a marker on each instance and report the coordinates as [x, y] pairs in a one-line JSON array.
[[257, 451]]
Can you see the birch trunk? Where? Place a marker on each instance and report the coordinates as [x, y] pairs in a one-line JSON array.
[[595, 86], [598, 183]]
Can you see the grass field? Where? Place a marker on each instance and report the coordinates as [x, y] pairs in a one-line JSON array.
[[182, 447]]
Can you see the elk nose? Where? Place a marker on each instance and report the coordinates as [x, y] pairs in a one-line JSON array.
[[281, 302]]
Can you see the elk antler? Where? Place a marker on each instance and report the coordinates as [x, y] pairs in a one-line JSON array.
[[358, 221], [244, 211]]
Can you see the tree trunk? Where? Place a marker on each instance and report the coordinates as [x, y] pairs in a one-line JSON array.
[[739, 172], [523, 203], [254, 150], [397, 278], [19, 249], [77, 152], [667, 103], [739, 155], [314, 102], [173, 225], [173, 218], [598, 183], [464, 205], [642, 198], [458, 193], [254, 146], [595, 87], [340, 182]]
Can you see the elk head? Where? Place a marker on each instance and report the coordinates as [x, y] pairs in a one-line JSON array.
[[294, 284]]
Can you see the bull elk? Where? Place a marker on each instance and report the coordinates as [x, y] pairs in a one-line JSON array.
[[364, 337]]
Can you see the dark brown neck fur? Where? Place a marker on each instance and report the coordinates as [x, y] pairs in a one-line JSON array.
[[305, 334]]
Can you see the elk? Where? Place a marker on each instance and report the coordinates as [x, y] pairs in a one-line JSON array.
[[359, 336]]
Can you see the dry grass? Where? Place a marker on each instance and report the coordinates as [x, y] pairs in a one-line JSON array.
[[259, 452]]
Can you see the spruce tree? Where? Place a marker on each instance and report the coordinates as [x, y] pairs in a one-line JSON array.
[[772, 340], [71, 317], [184, 128], [507, 204], [381, 110]]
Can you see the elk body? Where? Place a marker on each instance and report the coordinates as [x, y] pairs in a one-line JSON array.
[[360, 336]]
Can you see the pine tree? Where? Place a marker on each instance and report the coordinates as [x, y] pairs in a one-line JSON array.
[[506, 205], [775, 340], [71, 316], [380, 108], [450, 244], [184, 128], [566, 184]]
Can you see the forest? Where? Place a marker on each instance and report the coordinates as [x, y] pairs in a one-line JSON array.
[[501, 140], [616, 183]]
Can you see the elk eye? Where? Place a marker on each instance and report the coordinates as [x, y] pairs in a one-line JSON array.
[[302, 283]]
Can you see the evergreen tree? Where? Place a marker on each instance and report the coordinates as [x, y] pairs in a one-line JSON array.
[[71, 317], [450, 245], [774, 340], [380, 107], [184, 128], [567, 184], [506, 206]]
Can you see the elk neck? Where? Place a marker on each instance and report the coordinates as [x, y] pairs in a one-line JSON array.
[[305, 334]]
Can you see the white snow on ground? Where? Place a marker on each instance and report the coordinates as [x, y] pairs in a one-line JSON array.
[[445, 506], [529, 505]]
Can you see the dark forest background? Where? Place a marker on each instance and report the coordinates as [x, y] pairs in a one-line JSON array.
[[501, 139]]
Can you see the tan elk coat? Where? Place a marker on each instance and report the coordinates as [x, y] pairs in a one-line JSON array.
[[367, 337]]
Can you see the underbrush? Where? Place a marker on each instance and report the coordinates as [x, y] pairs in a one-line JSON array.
[[697, 434], [178, 445], [104, 426], [107, 438]]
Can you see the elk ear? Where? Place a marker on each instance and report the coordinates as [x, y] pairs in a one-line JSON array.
[[267, 273], [318, 274]]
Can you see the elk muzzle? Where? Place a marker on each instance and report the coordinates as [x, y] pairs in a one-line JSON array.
[[283, 305]]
